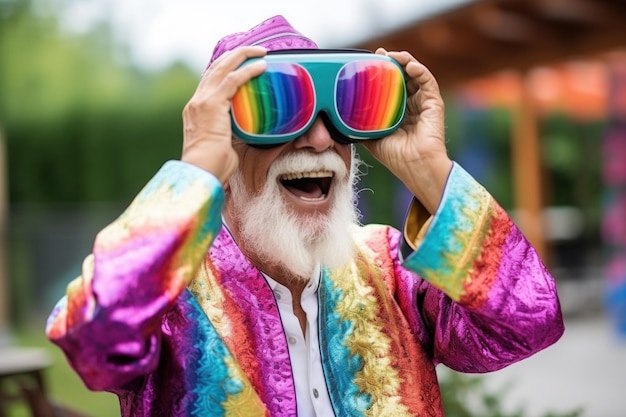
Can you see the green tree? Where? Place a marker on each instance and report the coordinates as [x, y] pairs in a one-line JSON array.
[[466, 396], [81, 122]]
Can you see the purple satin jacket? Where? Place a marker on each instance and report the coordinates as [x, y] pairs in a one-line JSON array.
[[169, 314]]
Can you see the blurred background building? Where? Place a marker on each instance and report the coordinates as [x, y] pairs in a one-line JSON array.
[[91, 94]]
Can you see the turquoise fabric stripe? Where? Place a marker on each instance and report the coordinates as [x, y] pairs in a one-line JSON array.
[[178, 176], [206, 359], [457, 216], [339, 363]]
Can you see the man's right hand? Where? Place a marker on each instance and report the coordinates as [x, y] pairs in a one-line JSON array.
[[207, 135]]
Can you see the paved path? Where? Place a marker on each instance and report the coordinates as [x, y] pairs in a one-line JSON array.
[[585, 369]]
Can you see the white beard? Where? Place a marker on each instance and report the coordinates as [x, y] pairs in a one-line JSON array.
[[277, 235]]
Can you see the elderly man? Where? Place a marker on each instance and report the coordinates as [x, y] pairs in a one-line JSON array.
[[239, 281]]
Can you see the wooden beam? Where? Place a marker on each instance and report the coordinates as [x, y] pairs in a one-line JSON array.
[[4, 281], [590, 11], [500, 25], [527, 169], [490, 36]]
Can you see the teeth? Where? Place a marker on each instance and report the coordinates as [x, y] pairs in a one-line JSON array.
[[313, 174], [320, 198]]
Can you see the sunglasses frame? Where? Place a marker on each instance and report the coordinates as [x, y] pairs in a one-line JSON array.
[[323, 66]]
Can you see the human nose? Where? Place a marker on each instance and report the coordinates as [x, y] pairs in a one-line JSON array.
[[317, 138]]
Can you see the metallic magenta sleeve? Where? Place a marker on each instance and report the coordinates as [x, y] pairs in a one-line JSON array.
[[109, 321], [488, 300]]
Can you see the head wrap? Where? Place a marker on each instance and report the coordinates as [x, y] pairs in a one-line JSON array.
[[274, 34]]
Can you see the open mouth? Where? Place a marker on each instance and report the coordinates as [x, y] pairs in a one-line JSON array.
[[308, 186]]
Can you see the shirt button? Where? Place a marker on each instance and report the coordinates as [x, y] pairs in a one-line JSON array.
[[277, 294], [292, 340], [315, 393]]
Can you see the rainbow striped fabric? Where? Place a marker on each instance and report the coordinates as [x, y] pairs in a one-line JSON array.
[[170, 315]]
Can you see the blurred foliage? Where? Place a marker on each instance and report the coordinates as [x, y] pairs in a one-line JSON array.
[[478, 139], [81, 124], [84, 124], [572, 160], [466, 396]]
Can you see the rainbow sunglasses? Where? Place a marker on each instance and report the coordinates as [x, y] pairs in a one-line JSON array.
[[360, 96]]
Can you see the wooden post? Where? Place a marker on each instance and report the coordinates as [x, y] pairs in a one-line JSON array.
[[4, 284], [527, 169]]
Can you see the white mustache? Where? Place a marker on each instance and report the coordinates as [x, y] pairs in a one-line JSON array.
[[309, 162]]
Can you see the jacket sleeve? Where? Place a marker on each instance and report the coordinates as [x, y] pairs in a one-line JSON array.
[[109, 322], [487, 300]]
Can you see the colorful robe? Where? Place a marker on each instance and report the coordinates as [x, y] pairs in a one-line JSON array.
[[174, 331]]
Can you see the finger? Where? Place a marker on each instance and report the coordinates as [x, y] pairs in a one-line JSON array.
[[381, 51], [422, 86], [229, 61], [223, 79], [235, 57], [235, 79], [416, 73], [420, 78], [403, 57]]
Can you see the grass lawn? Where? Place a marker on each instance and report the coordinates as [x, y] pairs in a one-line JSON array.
[[64, 386]]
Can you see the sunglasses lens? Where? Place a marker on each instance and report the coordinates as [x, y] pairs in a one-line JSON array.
[[370, 95], [281, 101]]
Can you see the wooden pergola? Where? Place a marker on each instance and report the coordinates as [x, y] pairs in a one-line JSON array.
[[485, 37]]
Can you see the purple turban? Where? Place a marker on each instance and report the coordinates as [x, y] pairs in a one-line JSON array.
[[274, 34]]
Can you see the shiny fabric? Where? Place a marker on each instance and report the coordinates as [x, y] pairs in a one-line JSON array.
[[273, 34], [176, 332]]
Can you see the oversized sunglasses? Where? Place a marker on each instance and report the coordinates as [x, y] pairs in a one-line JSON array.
[[360, 96]]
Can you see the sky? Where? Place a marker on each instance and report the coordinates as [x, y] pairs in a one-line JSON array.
[[159, 32]]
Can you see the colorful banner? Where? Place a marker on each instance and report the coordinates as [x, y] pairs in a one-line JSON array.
[[614, 204]]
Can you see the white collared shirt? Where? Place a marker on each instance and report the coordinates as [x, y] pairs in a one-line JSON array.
[[306, 364], [312, 398]]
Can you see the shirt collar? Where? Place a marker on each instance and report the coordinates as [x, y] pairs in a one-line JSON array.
[[312, 286]]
